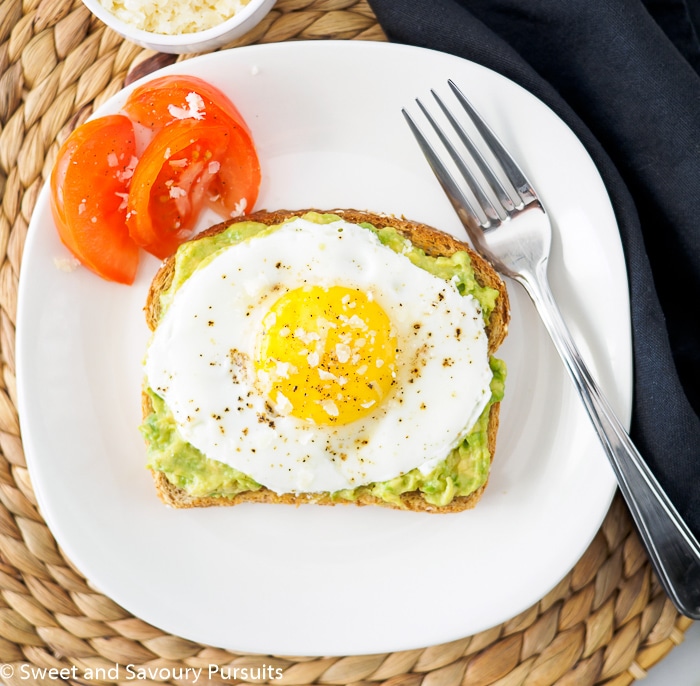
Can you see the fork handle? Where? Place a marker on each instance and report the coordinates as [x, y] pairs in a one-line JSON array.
[[673, 549]]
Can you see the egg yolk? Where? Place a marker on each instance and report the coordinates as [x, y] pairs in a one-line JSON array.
[[326, 355]]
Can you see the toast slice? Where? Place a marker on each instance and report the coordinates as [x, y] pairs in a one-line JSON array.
[[434, 243]]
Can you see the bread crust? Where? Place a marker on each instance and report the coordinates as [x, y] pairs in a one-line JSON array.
[[434, 243]]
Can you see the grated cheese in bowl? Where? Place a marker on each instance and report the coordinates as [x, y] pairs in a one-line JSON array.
[[180, 26], [173, 17]]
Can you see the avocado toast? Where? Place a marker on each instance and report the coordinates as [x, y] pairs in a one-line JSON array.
[[185, 478]]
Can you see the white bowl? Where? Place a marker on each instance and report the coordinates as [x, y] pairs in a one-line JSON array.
[[200, 41]]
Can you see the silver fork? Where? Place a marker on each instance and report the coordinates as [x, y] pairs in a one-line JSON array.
[[514, 234]]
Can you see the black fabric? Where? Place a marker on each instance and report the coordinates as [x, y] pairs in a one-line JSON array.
[[625, 76]]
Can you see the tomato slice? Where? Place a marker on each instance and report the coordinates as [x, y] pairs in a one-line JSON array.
[[168, 98], [235, 189], [199, 151], [89, 190], [171, 183]]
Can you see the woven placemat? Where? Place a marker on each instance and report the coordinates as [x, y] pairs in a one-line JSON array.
[[607, 622]]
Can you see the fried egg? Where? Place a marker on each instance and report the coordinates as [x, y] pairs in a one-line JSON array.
[[313, 358]]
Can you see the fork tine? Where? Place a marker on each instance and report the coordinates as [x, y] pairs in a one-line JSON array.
[[475, 187], [490, 176], [459, 200], [510, 167]]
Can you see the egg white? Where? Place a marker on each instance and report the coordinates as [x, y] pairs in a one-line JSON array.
[[442, 377]]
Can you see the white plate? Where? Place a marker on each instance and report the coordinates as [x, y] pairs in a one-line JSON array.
[[313, 581]]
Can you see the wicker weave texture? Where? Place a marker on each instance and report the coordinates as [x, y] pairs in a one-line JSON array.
[[607, 622]]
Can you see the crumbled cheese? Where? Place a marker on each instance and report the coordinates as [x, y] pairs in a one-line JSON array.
[[330, 408], [306, 336], [356, 322], [128, 171], [125, 199], [282, 369], [284, 405], [173, 17], [342, 352], [177, 192], [66, 264], [195, 110], [239, 208]]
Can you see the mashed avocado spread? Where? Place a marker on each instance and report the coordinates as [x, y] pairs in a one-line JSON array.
[[463, 471]]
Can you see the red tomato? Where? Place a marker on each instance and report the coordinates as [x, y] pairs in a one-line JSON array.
[[189, 103], [163, 100], [235, 188], [89, 187], [200, 152], [171, 183]]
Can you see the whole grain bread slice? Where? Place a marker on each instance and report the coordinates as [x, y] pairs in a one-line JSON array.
[[434, 243]]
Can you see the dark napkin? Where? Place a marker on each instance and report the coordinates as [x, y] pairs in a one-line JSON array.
[[624, 76]]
